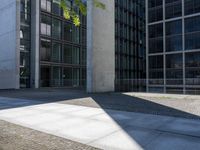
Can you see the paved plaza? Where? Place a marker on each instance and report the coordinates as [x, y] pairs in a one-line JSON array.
[[105, 128]]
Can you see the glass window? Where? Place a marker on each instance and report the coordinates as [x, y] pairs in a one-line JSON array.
[[174, 27], [192, 33], [67, 54], [56, 76], [45, 78], [192, 6], [192, 59], [156, 30], [76, 34], [56, 7], [192, 24], [155, 14], [173, 9], [174, 61], [56, 28], [156, 62], [45, 50], [174, 69], [67, 76], [46, 25], [67, 32], [192, 68], [46, 5], [154, 3], [56, 52], [156, 38], [76, 55], [174, 43], [174, 36]]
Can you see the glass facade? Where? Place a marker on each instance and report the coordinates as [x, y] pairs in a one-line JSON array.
[[129, 44], [62, 48], [173, 46], [25, 43]]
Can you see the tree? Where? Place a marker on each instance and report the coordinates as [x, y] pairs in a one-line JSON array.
[[70, 12]]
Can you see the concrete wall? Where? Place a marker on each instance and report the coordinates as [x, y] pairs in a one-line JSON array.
[[100, 47], [9, 44]]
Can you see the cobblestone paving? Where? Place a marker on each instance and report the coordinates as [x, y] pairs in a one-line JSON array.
[[14, 137]]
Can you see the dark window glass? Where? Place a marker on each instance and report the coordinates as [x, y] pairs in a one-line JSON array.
[[45, 50], [174, 27], [156, 38], [45, 78], [174, 61], [192, 33], [68, 32], [174, 69], [173, 9], [156, 30], [192, 6], [56, 52], [192, 60], [156, 62], [154, 3], [174, 36], [56, 7], [67, 54], [56, 28], [155, 14]]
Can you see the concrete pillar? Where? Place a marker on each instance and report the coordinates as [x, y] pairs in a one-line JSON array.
[[35, 43], [9, 44], [100, 47]]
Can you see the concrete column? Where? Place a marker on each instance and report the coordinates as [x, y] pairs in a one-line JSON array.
[[100, 47], [9, 44], [35, 43]]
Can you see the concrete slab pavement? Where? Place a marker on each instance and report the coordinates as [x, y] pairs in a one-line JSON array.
[[104, 128]]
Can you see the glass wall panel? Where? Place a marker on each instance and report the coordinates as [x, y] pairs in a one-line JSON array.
[[192, 64], [56, 76], [68, 32], [45, 76], [174, 69], [56, 28], [192, 6], [192, 33], [173, 8], [56, 52], [174, 36], [156, 38], [156, 70], [155, 11], [46, 5], [45, 25], [67, 54], [45, 50], [56, 7], [67, 76]]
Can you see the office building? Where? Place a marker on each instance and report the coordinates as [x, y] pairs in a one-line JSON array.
[[130, 45], [173, 46], [39, 48]]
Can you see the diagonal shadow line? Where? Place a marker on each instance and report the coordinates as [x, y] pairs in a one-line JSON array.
[[114, 101], [105, 101]]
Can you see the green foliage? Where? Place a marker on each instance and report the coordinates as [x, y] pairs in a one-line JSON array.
[[70, 13]]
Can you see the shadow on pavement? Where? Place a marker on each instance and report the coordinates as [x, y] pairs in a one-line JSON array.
[[114, 101], [108, 102]]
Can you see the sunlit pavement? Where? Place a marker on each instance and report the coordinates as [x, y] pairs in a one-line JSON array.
[[103, 128]]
